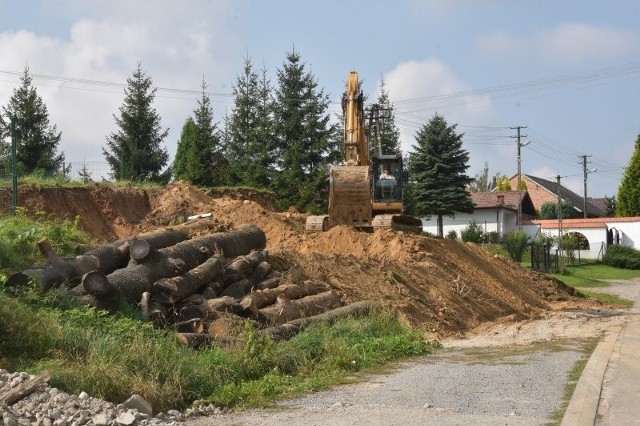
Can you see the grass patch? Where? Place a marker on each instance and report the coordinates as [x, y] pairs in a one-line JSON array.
[[112, 356], [593, 274], [607, 298]]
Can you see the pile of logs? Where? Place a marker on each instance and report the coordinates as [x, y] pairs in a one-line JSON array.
[[205, 287]]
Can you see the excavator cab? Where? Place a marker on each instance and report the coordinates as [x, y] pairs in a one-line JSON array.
[[387, 179]]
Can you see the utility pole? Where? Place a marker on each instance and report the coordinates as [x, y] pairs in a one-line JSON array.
[[585, 171], [559, 212], [520, 145]]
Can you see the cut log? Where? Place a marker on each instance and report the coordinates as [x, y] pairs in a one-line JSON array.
[[287, 310], [129, 283], [23, 278], [227, 324], [145, 301], [174, 289], [24, 389], [238, 289], [251, 303], [107, 257], [272, 282], [212, 308], [242, 266], [260, 272], [291, 328]]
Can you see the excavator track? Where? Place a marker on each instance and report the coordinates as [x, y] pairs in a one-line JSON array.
[[317, 223], [397, 222]]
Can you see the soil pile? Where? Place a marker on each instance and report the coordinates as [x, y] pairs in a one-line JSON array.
[[447, 287]]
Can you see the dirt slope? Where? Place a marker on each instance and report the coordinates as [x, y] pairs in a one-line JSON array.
[[446, 287]]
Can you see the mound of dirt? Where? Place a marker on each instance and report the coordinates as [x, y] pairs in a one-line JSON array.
[[446, 287]]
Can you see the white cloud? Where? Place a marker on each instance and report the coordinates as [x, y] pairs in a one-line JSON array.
[[177, 46], [565, 43], [419, 89]]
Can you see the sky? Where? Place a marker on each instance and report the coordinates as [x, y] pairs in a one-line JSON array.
[[567, 72]]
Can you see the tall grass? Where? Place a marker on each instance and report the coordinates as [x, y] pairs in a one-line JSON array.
[[19, 234], [112, 356]]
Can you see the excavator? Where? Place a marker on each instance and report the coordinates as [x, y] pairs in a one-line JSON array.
[[360, 194]]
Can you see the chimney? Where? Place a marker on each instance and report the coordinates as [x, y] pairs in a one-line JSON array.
[[501, 200]]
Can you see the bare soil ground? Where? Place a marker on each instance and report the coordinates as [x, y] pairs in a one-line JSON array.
[[448, 288]]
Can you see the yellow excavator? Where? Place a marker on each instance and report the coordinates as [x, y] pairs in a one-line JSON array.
[[364, 192]]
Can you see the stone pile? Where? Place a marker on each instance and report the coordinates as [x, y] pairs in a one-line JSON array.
[[49, 406]]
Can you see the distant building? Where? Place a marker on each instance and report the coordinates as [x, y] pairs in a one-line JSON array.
[[542, 191]]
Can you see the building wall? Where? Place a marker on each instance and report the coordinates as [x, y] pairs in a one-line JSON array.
[[597, 238], [629, 233], [492, 220], [538, 194]]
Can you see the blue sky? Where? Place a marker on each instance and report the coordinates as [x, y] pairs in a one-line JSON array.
[[568, 70]]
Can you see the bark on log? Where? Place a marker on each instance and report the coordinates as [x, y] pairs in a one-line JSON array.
[[129, 283], [212, 308], [238, 289], [291, 328], [287, 310], [251, 303], [19, 279], [272, 282], [24, 389], [227, 324], [260, 272], [174, 289], [108, 257], [242, 266]]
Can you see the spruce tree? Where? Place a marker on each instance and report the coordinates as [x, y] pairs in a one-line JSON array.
[[387, 131], [628, 199], [37, 140], [303, 136], [438, 168], [250, 142], [206, 163], [134, 151], [186, 144]]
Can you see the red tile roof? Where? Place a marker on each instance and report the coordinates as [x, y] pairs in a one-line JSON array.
[[591, 223]]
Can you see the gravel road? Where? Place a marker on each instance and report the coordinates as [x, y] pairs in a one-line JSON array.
[[497, 386]]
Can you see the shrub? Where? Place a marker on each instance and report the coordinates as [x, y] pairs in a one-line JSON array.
[[492, 237], [452, 235], [622, 257], [472, 233], [516, 243]]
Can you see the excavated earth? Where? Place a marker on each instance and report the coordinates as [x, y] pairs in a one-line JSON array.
[[445, 287]]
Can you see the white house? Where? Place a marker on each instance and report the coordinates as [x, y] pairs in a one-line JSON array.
[[494, 211]]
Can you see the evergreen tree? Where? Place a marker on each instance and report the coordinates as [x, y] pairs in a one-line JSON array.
[[303, 136], [37, 140], [610, 206], [481, 181], [250, 148], [186, 145], [438, 168], [549, 210], [206, 161], [387, 133], [628, 200], [134, 151]]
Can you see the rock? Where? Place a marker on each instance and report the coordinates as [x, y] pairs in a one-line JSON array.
[[126, 419], [136, 402], [101, 420]]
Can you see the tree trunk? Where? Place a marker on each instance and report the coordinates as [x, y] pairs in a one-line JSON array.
[[251, 303], [238, 289], [24, 389], [243, 266], [272, 282], [212, 308], [287, 310], [171, 290], [129, 283], [291, 328]]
